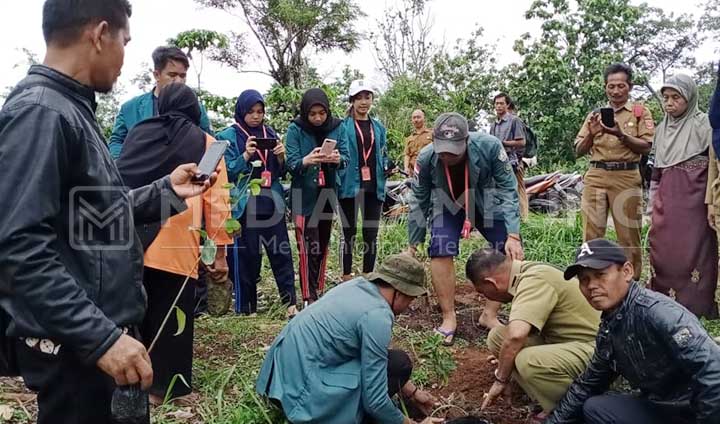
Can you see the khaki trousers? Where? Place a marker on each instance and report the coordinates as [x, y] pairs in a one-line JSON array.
[[619, 192], [545, 371]]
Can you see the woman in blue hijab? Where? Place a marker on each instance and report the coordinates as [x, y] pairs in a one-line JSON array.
[[262, 216]]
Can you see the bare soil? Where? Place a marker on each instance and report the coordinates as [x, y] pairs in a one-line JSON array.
[[473, 377]]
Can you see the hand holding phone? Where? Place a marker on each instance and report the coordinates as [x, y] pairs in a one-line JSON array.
[[607, 117], [327, 147], [210, 161], [266, 143]]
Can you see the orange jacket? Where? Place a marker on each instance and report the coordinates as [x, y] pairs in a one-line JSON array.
[[176, 247]]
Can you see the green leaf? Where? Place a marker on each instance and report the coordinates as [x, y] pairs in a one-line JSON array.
[[255, 189], [228, 186], [173, 381], [232, 225], [208, 252], [181, 319], [202, 232]]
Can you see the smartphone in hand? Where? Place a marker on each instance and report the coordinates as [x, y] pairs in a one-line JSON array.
[[210, 161], [266, 143], [607, 116], [327, 147]]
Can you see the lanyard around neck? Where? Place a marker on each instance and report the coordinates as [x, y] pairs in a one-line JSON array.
[[366, 153], [263, 157], [467, 184]]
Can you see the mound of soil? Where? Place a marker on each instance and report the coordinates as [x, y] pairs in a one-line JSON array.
[[473, 377]]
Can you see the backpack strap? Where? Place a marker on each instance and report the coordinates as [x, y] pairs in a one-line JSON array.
[[638, 111]]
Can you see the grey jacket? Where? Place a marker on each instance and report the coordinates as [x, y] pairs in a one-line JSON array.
[[661, 349], [70, 260]]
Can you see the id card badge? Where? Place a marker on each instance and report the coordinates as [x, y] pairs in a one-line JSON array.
[[365, 172], [266, 178], [321, 178], [467, 228]]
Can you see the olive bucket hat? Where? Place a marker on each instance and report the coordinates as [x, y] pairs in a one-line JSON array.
[[403, 272]]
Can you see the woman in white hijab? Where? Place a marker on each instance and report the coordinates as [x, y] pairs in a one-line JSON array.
[[683, 247]]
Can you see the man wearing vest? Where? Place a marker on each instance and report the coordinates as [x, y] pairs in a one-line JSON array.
[[462, 181], [613, 181], [171, 65], [550, 337]]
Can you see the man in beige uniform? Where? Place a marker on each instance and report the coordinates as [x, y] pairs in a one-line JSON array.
[[550, 337], [421, 137], [613, 181]]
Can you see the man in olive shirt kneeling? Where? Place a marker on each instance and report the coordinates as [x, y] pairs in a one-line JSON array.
[[551, 333]]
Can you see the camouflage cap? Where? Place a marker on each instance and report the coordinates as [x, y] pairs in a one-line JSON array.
[[403, 272]]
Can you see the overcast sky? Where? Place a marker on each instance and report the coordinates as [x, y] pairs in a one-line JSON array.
[[154, 21]]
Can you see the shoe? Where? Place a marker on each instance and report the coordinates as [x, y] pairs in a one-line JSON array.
[[447, 334]]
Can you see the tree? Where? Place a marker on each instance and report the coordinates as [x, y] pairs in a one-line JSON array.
[[710, 20], [283, 102], [203, 42], [221, 109], [31, 58], [660, 43], [466, 78], [403, 46], [459, 81], [706, 79], [286, 28], [108, 106], [560, 79], [143, 79]]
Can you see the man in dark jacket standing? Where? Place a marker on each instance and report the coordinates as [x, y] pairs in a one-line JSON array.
[[657, 345], [70, 259]]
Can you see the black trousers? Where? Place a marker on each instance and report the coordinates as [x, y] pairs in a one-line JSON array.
[[172, 354], [398, 372], [628, 409], [246, 261], [367, 203], [68, 391]]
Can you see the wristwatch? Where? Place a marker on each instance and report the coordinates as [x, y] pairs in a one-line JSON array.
[[500, 380]]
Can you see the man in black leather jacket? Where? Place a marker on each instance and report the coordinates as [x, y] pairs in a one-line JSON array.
[[657, 345], [70, 259]]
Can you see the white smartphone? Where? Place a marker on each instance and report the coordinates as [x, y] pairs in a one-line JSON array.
[[328, 147]]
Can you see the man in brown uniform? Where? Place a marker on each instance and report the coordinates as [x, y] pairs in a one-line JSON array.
[[421, 137], [550, 336], [613, 181]]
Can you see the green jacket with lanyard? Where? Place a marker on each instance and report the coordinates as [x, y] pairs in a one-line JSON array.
[[350, 186], [492, 184], [237, 166], [305, 180]]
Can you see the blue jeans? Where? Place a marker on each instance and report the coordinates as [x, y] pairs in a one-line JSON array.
[[445, 232]]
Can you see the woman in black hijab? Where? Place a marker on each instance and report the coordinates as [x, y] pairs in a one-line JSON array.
[[158, 143], [314, 185], [153, 147]]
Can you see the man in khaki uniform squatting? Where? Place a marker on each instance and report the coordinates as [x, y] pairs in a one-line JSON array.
[[613, 181], [550, 337]]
